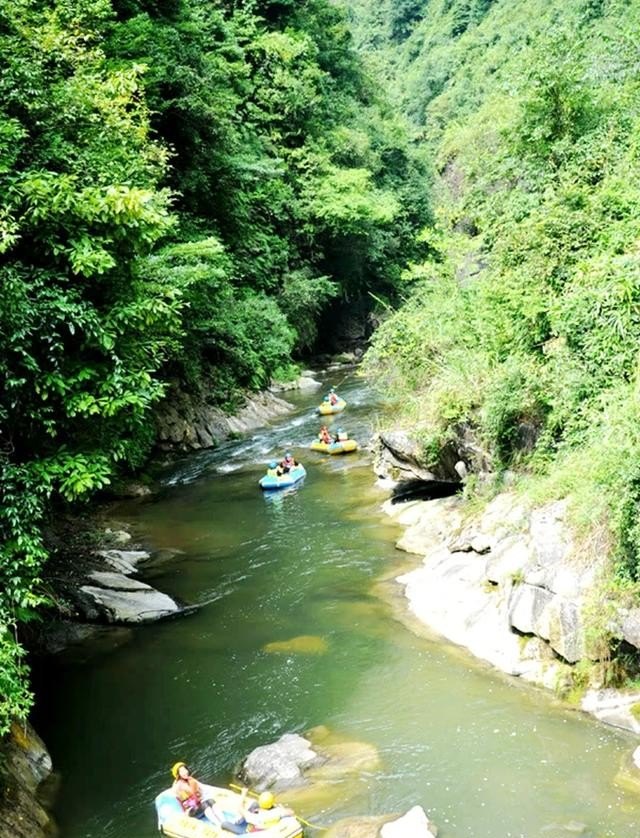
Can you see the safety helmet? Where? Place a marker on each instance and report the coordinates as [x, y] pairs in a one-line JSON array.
[[326, 399], [266, 800], [176, 768], [273, 464], [287, 453]]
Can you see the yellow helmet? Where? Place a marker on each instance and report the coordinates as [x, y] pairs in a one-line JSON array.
[[176, 768], [266, 800]]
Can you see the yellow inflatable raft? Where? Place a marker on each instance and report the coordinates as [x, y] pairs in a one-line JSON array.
[[174, 823], [327, 408], [342, 447]]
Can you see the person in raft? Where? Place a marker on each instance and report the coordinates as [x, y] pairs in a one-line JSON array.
[[333, 397], [341, 436], [288, 463], [274, 469], [189, 792], [263, 813], [324, 435]]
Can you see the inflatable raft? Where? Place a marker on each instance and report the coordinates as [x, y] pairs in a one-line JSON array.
[[174, 823], [327, 408], [290, 479], [344, 447]]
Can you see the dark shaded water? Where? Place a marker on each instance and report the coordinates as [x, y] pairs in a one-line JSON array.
[[488, 757]]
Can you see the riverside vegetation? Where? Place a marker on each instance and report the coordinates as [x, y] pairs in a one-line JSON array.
[[521, 329], [187, 185]]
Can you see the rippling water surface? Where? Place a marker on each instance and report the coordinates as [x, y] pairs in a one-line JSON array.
[[488, 757]]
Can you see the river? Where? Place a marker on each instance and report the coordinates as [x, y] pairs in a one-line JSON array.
[[487, 756]]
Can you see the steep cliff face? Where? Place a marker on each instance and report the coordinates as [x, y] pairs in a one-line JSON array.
[[188, 422], [25, 772]]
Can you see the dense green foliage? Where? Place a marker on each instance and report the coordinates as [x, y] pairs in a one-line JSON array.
[[523, 325], [186, 186]]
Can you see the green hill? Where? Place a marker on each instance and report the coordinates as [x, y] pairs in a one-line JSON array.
[[522, 328]]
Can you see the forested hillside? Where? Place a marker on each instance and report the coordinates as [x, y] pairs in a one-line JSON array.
[[522, 328], [186, 185]]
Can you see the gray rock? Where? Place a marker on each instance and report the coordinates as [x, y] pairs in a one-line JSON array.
[[118, 537], [528, 610], [124, 561], [629, 628], [307, 383], [281, 764], [82, 641], [413, 824], [566, 631], [461, 469], [549, 534], [138, 606], [187, 421], [117, 581], [25, 765], [613, 708], [507, 559]]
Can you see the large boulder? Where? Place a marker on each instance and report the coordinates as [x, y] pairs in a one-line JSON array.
[[306, 768], [399, 456], [529, 609], [25, 766], [629, 626], [130, 601], [536, 610], [281, 764]]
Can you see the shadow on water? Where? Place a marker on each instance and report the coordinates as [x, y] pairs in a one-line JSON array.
[[295, 572]]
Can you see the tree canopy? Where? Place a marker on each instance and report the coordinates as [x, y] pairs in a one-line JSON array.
[[179, 181]]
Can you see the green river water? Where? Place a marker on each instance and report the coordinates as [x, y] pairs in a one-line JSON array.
[[487, 756]]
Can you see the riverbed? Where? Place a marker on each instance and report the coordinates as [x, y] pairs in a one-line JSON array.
[[488, 757]]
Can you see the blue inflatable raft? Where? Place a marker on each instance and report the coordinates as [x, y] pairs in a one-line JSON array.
[[290, 479]]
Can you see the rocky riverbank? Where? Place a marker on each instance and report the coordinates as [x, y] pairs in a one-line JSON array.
[[509, 584], [188, 422], [25, 771]]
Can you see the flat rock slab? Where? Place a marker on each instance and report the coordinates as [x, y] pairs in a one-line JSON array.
[[124, 561], [117, 581], [137, 606]]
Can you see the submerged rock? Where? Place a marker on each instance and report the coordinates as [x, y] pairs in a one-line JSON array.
[[414, 824], [358, 827], [304, 644], [82, 641]]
